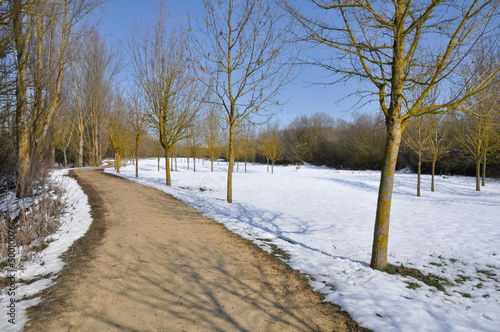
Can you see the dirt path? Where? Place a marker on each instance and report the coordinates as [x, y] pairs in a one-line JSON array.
[[160, 266]]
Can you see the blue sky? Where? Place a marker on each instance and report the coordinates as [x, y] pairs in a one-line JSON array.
[[118, 15]]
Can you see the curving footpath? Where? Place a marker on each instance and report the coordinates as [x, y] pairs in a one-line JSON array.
[[160, 266]]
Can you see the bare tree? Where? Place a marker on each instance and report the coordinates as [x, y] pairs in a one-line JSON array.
[[270, 144], [78, 111], [139, 123], [7, 101], [476, 133], [88, 88], [193, 144], [120, 134], [42, 34], [439, 140], [22, 34], [61, 132], [247, 142], [247, 61], [212, 135], [161, 62], [396, 47], [99, 66], [417, 137]]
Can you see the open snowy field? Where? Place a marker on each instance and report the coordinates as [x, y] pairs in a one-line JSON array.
[[324, 218]]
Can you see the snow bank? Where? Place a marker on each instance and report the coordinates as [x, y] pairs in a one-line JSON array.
[[75, 222]]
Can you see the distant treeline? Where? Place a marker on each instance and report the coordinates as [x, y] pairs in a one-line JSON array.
[[359, 144]]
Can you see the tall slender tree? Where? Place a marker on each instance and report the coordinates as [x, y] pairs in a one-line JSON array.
[[163, 68], [270, 144], [120, 133], [100, 66], [248, 59], [439, 140], [212, 134], [477, 133], [22, 34], [138, 121], [417, 137], [399, 47]]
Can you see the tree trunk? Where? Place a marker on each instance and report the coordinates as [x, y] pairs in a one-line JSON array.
[[65, 150], [272, 166], [167, 166], [158, 161], [23, 166], [187, 162], [21, 39], [91, 159], [98, 148], [382, 218], [419, 172], [433, 173], [136, 165], [79, 163], [393, 140], [118, 160], [194, 164], [230, 164], [65, 158], [212, 164], [245, 164], [483, 183], [478, 175]]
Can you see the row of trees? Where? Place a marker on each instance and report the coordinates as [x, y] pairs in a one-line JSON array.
[[458, 143], [38, 46], [58, 75], [443, 144]]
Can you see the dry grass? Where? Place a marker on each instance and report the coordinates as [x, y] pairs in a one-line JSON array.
[[26, 224]]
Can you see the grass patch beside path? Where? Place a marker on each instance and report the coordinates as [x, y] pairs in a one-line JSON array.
[[428, 279]]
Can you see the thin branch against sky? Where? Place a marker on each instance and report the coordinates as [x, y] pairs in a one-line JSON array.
[[308, 94]]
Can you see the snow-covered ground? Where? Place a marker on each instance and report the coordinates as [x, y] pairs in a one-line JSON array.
[[324, 219], [74, 224]]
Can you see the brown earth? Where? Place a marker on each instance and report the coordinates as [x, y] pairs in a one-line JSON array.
[[150, 263]]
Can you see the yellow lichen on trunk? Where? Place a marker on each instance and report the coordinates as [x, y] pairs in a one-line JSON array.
[[167, 167], [381, 231], [118, 160]]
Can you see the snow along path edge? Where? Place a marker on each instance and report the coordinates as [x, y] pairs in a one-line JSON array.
[[74, 224]]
